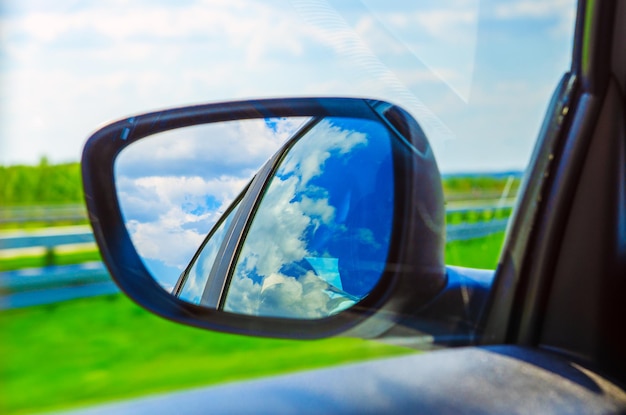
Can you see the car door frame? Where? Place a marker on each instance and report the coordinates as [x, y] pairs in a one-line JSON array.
[[531, 302]]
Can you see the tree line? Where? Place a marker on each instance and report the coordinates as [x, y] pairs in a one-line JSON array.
[[46, 183], [481, 183], [41, 184]]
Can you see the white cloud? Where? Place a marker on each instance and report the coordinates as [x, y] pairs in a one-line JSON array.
[[236, 148], [367, 65], [281, 221], [282, 296], [73, 68], [564, 11], [446, 24], [442, 36], [305, 296], [532, 8], [165, 240], [160, 194], [67, 66], [256, 27], [168, 218]]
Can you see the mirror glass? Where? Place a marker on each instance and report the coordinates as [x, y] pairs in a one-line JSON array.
[[193, 282], [315, 240]]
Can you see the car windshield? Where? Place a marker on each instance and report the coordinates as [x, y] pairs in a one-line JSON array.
[[477, 75]]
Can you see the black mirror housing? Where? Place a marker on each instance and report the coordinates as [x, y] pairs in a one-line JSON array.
[[414, 272]]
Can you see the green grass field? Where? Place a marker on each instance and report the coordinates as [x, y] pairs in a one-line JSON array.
[[93, 350], [475, 253], [40, 260]]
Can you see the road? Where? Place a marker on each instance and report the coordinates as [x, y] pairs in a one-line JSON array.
[[55, 295]]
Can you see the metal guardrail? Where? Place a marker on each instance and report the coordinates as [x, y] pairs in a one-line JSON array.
[[480, 208], [50, 284], [32, 286], [48, 238], [76, 213], [56, 276], [465, 231], [43, 214]]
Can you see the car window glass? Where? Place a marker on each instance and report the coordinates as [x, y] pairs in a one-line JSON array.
[[477, 75], [198, 275]]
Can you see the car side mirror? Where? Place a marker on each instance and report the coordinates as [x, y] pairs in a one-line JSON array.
[[341, 229]]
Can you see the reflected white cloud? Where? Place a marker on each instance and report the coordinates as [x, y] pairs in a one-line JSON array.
[[292, 209], [174, 186], [197, 277], [164, 240]]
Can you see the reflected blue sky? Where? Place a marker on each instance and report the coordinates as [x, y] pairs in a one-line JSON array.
[[172, 187], [320, 237], [198, 275]]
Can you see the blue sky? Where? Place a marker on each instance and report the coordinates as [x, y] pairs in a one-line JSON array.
[[477, 75]]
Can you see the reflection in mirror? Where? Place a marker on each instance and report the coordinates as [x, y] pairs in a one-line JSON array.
[[193, 282], [174, 186], [319, 239]]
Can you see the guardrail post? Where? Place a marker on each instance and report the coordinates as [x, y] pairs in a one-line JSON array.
[[49, 258]]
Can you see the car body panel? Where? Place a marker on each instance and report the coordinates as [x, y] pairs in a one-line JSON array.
[[473, 380]]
